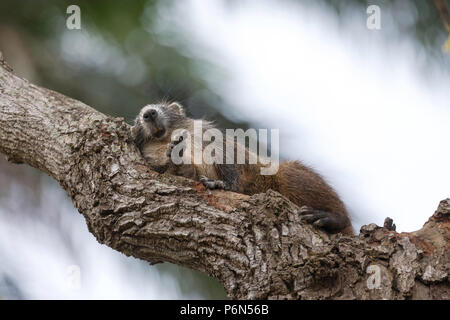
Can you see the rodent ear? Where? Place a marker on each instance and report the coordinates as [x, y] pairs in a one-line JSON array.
[[175, 106]]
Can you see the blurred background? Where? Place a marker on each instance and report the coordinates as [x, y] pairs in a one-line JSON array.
[[368, 109]]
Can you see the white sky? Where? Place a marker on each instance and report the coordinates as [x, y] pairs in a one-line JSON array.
[[37, 254], [350, 101]]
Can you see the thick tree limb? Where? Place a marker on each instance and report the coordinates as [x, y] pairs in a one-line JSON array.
[[256, 246]]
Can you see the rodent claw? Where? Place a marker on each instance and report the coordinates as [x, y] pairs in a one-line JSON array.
[[305, 210], [211, 184], [322, 223]]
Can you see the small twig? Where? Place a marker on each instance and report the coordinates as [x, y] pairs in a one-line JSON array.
[[389, 224]]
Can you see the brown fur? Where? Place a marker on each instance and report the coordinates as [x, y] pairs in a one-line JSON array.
[[294, 180]]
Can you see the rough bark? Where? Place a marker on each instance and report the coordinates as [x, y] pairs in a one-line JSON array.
[[256, 246]]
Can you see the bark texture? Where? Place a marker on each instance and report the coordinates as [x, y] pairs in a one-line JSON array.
[[256, 246]]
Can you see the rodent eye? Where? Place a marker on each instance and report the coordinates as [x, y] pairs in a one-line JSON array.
[[153, 113]]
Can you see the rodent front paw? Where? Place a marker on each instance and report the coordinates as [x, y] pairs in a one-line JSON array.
[[170, 147], [175, 141], [212, 184]]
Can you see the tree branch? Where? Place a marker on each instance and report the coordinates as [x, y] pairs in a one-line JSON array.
[[256, 246]]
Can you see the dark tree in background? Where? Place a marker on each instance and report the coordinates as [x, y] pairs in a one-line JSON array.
[[31, 38]]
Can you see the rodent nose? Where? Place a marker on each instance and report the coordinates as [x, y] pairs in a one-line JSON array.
[[150, 115]]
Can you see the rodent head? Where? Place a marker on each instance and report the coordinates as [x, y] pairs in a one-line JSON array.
[[156, 121]]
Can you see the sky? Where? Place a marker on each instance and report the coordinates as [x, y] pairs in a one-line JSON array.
[[365, 108], [52, 255]]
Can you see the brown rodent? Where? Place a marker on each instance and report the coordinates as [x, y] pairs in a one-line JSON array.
[[154, 135]]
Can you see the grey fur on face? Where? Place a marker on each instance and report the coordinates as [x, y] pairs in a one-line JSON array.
[[154, 121]]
